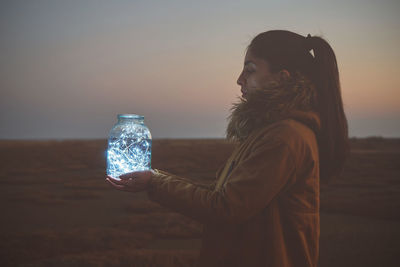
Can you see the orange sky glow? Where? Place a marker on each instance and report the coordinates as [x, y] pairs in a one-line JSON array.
[[70, 67]]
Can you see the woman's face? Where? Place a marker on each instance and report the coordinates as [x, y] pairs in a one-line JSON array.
[[256, 73]]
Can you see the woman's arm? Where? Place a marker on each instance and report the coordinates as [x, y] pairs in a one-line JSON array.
[[203, 184], [253, 183]]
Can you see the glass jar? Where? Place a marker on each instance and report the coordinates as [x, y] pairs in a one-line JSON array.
[[129, 146]]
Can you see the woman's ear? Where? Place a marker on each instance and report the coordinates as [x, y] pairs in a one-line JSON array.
[[284, 74]]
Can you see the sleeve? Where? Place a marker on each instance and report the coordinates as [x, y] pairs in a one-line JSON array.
[[252, 184], [203, 184]]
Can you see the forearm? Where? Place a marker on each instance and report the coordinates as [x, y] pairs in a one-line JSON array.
[[204, 184], [203, 204], [249, 188]]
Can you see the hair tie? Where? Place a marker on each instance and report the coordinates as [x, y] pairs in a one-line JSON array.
[[308, 43]]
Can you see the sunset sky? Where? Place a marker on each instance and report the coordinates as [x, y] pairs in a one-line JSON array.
[[68, 68]]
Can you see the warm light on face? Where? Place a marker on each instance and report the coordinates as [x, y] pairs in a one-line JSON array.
[[256, 73]]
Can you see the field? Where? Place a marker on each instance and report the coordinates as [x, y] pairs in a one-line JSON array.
[[57, 209]]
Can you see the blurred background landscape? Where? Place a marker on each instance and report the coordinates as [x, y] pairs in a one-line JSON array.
[[58, 210]]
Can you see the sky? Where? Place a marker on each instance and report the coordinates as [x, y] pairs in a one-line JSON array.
[[67, 68]]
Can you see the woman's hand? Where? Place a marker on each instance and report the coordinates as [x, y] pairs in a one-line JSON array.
[[131, 182]]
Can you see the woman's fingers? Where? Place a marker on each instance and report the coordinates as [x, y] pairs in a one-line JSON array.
[[126, 177], [113, 180], [130, 175], [117, 181], [133, 182], [133, 175]]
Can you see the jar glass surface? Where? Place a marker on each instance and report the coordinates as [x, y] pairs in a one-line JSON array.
[[129, 146]]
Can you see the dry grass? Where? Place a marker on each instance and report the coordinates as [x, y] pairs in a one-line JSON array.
[[57, 210]]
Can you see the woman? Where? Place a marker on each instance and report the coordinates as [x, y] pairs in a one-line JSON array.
[[263, 208]]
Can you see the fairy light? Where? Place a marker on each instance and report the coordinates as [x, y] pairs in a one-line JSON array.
[[129, 147]]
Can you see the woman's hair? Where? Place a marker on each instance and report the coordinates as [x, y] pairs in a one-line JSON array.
[[291, 51]]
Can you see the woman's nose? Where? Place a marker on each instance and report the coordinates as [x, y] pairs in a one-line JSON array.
[[240, 79]]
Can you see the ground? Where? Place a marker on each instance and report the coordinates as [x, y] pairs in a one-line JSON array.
[[57, 209]]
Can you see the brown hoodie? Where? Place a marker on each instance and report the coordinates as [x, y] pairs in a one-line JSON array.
[[263, 208]]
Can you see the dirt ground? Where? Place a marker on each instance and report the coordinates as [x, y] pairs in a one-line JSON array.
[[57, 210]]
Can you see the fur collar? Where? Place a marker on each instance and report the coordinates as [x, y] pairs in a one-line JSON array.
[[293, 98]]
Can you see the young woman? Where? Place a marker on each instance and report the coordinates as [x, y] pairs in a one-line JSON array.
[[263, 208]]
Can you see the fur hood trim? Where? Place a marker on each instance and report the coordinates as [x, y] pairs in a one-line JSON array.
[[293, 98]]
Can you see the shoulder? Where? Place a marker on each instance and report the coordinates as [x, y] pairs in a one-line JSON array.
[[288, 130], [296, 136], [292, 131]]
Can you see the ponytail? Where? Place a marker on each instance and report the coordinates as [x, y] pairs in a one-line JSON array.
[[333, 139], [291, 51]]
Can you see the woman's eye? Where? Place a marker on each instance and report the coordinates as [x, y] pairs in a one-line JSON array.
[[248, 70]]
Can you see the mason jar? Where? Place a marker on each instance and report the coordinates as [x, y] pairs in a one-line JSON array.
[[129, 146]]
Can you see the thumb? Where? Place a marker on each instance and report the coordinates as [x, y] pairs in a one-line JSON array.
[[133, 175], [128, 175]]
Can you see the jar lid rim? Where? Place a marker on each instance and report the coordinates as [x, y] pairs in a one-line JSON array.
[[130, 116]]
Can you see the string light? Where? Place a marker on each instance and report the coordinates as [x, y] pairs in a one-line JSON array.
[[129, 146]]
